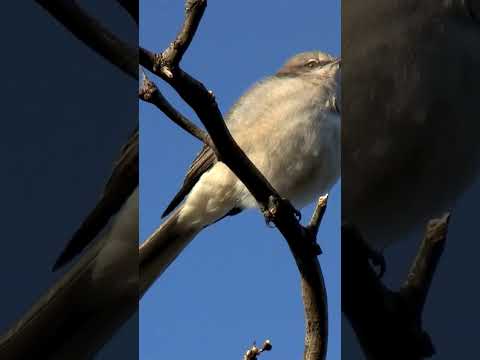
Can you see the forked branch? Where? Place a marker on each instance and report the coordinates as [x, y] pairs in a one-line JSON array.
[[388, 324], [150, 93]]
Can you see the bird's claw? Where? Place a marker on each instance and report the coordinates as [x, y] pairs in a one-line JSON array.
[[274, 204], [268, 216]]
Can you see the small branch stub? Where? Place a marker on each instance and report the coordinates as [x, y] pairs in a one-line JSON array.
[[318, 214], [315, 221], [166, 70]]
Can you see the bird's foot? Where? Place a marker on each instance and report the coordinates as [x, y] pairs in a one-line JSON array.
[[278, 204]]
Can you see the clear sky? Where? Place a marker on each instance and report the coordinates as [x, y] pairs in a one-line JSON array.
[[236, 282]]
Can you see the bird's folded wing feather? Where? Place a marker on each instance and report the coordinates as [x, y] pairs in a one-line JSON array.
[[119, 187], [205, 159]]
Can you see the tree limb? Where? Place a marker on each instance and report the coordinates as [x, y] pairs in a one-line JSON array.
[[279, 211], [314, 296], [172, 56], [91, 32]]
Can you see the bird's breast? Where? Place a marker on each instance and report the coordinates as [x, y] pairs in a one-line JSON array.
[[300, 151]]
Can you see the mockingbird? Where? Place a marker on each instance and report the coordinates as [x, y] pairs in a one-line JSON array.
[[289, 126]]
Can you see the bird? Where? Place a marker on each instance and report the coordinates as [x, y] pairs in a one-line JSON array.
[[288, 125]]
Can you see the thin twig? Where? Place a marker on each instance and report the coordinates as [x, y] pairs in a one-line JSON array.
[[149, 93], [172, 56]]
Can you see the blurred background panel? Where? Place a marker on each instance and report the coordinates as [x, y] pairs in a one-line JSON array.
[[66, 113], [411, 86]]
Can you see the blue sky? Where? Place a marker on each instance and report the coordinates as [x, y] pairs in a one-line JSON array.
[[236, 282]]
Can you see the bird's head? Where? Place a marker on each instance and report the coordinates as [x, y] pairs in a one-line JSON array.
[[311, 64], [318, 68]]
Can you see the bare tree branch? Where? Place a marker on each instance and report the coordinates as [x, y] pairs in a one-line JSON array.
[[278, 210], [314, 297], [149, 93], [172, 56], [87, 29], [388, 324]]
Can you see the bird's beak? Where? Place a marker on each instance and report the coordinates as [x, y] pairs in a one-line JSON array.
[[338, 62]]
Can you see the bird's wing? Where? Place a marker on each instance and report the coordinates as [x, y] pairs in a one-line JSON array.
[[205, 159], [119, 187]]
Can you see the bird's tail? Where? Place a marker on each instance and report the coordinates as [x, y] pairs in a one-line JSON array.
[[162, 248]]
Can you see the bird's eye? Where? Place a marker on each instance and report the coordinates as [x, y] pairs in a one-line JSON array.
[[312, 63]]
